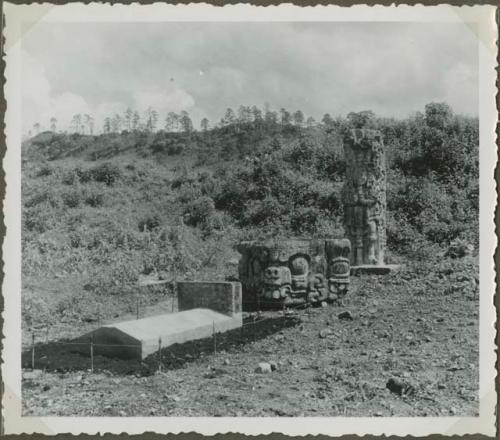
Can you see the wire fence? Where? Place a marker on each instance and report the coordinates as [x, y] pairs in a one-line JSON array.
[[40, 337]]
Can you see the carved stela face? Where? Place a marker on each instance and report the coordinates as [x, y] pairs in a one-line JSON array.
[[338, 253], [299, 267], [276, 275], [277, 280]]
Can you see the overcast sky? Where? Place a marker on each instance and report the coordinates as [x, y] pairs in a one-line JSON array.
[[392, 68]]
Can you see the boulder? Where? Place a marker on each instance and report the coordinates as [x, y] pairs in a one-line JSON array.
[[264, 368]]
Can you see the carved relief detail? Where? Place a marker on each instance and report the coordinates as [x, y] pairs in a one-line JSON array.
[[338, 252], [364, 196], [295, 270]]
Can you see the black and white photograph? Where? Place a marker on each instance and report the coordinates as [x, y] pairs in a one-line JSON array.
[[218, 213]]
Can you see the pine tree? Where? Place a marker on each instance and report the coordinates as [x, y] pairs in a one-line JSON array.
[[298, 118], [53, 124], [204, 124], [136, 119]]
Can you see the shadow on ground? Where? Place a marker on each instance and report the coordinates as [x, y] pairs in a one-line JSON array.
[[61, 356]]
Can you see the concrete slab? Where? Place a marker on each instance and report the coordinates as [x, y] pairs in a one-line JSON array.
[[140, 338], [204, 307], [374, 270]]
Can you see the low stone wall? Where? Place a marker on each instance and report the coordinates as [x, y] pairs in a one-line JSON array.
[[223, 297]]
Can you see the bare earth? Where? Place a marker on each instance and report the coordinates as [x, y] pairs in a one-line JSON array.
[[420, 329]]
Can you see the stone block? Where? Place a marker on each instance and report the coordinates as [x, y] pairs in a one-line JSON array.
[[223, 297]]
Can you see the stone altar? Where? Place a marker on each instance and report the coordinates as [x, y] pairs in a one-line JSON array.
[[294, 271]]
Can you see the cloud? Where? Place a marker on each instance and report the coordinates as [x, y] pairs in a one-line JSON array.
[[171, 99], [40, 105], [392, 68], [35, 90], [457, 90]]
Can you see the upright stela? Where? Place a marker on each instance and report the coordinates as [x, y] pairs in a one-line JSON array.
[[364, 198]]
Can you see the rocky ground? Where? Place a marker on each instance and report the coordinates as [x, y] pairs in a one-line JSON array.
[[408, 346]]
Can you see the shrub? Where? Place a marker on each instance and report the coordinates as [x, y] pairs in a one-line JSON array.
[[149, 223], [36, 311], [183, 179], [198, 211], [76, 240], [84, 176], [401, 234], [71, 199], [158, 146], [94, 199], [41, 196], [174, 149], [107, 173], [188, 193], [37, 219], [304, 220], [217, 221], [69, 178], [209, 186], [45, 170], [302, 154], [260, 212], [171, 147], [459, 248]]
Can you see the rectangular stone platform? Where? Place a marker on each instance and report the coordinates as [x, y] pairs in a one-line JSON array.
[[204, 307]]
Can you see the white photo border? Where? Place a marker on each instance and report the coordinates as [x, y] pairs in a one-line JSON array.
[[17, 17]]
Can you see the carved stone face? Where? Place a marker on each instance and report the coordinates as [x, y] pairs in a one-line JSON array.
[[276, 276], [339, 267], [338, 252], [299, 267], [277, 281], [272, 276]]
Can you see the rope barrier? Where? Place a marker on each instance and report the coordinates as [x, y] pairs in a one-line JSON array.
[[259, 319]]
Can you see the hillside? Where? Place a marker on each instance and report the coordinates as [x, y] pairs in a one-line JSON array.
[[99, 212], [102, 212]]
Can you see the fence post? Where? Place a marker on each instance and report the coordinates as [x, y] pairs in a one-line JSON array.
[[137, 307], [159, 354], [91, 353], [284, 313], [174, 291], [32, 350], [215, 338]]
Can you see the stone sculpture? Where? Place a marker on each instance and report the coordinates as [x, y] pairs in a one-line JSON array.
[[364, 196], [294, 271], [338, 253]]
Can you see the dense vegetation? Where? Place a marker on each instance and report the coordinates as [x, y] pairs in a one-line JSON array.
[[101, 210]]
